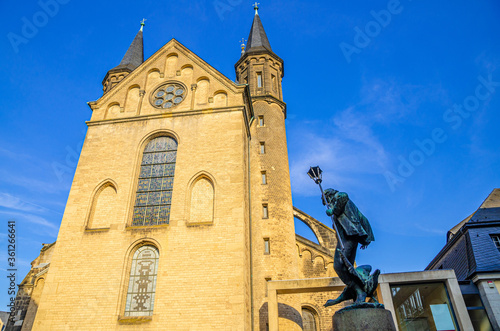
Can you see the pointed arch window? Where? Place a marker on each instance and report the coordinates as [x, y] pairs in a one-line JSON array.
[[142, 282], [156, 180]]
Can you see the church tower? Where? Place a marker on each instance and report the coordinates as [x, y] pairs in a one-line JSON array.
[[271, 201], [133, 58]]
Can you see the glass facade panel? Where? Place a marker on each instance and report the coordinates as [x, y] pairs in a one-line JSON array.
[[156, 181], [423, 307], [479, 320], [142, 282]]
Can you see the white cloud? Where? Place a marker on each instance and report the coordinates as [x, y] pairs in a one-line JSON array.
[[348, 149], [33, 184], [33, 219], [12, 202], [348, 146]]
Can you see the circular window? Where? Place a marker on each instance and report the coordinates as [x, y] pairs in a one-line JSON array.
[[168, 95]]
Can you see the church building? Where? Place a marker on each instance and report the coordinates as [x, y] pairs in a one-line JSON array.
[[180, 211]]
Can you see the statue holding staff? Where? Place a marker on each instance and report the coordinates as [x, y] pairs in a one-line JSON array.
[[352, 228]]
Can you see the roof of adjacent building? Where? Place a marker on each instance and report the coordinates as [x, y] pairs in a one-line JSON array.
[[492, 201], [480, 254], [486, 215]]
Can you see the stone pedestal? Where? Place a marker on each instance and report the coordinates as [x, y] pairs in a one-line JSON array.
[[366, 319]]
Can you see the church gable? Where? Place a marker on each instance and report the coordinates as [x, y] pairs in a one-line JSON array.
[[172, 81]]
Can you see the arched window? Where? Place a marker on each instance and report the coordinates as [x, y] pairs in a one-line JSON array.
[[142, 282], [156, 180], [202, 201], [308, 320]]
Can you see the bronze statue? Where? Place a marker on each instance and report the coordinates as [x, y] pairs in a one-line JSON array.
[[352, 228]]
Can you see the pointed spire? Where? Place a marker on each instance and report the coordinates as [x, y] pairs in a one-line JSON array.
[[134, 56], [257, 40]]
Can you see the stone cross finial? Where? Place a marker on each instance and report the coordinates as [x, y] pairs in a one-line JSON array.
[[143, 23], [256, 7]]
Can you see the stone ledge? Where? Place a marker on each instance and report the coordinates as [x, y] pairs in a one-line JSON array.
[[134, 319]]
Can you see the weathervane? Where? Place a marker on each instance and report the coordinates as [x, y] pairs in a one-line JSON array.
[[242, 41], [256, 7]]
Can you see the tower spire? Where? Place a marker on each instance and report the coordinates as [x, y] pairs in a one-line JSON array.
[[257, 40], [133, 58], [135, 53]]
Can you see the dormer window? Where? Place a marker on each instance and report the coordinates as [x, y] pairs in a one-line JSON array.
[[496, 241]]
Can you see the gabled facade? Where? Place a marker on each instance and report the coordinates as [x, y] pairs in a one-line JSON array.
[[473, 251]]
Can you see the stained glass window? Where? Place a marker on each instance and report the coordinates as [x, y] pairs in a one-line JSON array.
[[156, 180], [142, 283]]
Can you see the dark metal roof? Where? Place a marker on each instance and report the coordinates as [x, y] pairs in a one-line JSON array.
[[134, 56], [257, 40], [486, 215]]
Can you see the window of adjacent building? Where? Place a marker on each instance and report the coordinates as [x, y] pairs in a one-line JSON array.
[[262, 148], [261, 120], [423, 306], [264, 177], [477, 313], [496, 240], [265, 211], [156, 180], [267, 246], [142, 282], [274, 82], [259, 79], [308, 320]]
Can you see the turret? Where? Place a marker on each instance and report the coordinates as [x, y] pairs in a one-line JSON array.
[[259, 66], [133, 58]]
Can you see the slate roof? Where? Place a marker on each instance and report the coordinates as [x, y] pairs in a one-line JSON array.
[[257, 40], [481, 255], [486, 215], [134, 56]]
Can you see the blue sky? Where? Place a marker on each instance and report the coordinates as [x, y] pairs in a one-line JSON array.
[[398, 102]]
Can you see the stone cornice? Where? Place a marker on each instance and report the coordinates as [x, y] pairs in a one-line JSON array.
[[163, 115]]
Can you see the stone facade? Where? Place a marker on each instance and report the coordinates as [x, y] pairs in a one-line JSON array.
[[230, 228], [30, 291]]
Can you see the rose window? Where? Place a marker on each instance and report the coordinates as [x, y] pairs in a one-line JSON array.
[[168, 96]]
